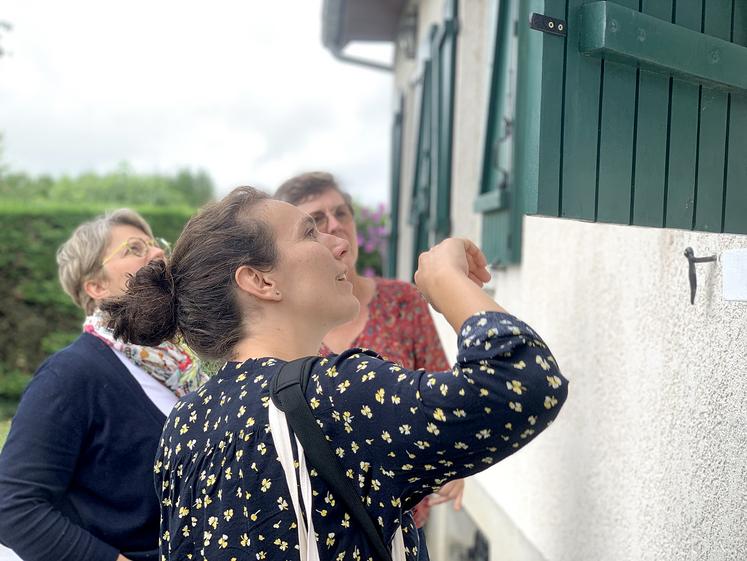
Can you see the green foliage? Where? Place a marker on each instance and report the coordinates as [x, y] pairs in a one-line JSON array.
[[122, 187], [12, 383], [4, 429], [36, 316]]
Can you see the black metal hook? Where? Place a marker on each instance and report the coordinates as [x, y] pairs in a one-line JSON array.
[[692, 260]]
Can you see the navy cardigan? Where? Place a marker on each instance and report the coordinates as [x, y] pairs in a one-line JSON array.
[[76, 473]]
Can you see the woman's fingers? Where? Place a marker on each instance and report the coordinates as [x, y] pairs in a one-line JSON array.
[[458, 502], [476, 254], [435, 500], [476, 280], [477, 264], [451, 491]]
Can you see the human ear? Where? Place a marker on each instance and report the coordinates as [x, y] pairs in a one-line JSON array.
[[97, 289], [257, 283]]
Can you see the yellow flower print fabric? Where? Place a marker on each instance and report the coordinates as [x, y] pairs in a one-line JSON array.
[[398, 434]]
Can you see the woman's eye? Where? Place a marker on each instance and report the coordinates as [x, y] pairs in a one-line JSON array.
[[311, 233], [136, 249]]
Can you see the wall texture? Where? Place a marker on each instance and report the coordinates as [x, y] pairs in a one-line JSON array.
[[648, 461]]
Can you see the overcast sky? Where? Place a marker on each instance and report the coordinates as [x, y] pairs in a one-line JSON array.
[[240, 88]]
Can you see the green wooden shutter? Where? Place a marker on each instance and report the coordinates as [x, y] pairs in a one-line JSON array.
[[637, 115], [431, 204], [500, 207], [421, 185], [396, 177], [443, 48]]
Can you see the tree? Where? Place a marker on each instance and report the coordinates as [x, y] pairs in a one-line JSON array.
[[121, 187]]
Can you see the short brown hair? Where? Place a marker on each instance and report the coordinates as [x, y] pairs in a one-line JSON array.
[[300, 188], [193, 294]]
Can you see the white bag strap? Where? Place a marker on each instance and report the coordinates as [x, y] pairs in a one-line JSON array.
[[398, 546], [282, 440], [306, 535]]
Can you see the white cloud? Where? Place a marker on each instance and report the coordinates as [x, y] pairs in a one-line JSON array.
[[243, 89]]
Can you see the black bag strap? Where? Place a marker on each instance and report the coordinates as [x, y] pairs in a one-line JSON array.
[[288, 394]]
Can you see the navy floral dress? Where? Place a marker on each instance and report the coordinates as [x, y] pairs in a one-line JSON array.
[[399, 435]]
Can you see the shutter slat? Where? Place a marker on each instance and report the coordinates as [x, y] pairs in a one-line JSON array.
[[683, 134], [651, 139], [712, 140], [582, 83], [551, 114], [443, 83], [618, 116], [419, 211], [395, 179], [735, 205]]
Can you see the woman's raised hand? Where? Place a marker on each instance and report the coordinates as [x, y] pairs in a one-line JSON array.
[[451, 256], [450, 276]]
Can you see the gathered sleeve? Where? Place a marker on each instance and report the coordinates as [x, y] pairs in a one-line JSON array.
[[423, 428]]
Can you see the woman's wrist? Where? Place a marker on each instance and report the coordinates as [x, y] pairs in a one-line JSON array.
[[457, 298]]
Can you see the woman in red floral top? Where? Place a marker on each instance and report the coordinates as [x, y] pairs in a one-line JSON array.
[[394, 319], [398, 326]]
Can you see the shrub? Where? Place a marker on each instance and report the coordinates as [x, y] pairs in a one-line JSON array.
[[372, 239]]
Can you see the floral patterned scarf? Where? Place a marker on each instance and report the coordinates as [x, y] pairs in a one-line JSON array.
[[174, 365]]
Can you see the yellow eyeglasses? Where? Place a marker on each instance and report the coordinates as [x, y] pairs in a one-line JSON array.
[[138, 247]]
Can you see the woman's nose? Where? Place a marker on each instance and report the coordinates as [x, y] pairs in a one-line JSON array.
[[155, 252], [333, 225], [338, 246]]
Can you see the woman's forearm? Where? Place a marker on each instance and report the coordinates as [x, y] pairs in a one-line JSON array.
[[457, 298]]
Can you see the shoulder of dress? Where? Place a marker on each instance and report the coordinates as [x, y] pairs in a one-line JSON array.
[[350, 358]]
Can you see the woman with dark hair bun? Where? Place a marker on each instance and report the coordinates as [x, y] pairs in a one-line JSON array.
[[251, 280]]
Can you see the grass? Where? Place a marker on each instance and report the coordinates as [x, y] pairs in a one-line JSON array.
[[4, 428]]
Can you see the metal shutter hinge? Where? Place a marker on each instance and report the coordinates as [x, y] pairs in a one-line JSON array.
[[546, 24]]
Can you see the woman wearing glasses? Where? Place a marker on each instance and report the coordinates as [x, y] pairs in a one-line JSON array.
[[76, 473]]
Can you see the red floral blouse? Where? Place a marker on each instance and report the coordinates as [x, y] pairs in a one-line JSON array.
[[400, 328]]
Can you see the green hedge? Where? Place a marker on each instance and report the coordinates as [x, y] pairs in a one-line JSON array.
[[4, 428], [36, 316]]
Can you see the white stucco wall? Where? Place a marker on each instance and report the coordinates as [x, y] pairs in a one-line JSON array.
[[648, 460]]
